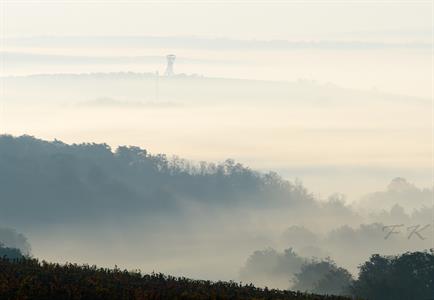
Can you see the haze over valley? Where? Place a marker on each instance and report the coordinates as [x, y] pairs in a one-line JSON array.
[[284, 147]]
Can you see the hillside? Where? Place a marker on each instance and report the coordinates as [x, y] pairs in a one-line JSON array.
[[31, 279]]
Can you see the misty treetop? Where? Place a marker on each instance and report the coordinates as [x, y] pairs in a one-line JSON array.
[[323, 277], [293, 271], [11, 238], [43, 181], [8, 253]]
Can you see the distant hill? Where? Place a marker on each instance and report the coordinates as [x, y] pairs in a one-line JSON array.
[[184, 88]]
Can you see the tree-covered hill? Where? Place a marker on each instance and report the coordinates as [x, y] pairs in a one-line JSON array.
[[43, 181], [31, 279]]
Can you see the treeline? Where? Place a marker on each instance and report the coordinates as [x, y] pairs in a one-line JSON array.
[[401, 277], [31, 279], [49, 181], [398, 277]]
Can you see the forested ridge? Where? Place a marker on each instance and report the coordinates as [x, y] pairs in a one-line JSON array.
[[84, 180]]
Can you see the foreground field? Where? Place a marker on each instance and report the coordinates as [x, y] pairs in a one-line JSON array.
[[31, 279]]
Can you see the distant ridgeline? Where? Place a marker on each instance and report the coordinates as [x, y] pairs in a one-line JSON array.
[[181, 88], [44, 181]]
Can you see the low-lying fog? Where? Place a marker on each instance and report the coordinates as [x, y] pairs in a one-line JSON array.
[[350, 138], [88, 203], [333, 139]]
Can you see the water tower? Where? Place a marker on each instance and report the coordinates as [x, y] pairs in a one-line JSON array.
[[170, 61]]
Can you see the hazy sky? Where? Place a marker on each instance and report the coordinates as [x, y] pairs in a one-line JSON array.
[[409, 20]]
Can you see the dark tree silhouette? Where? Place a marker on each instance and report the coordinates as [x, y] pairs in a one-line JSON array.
[[404, 277]]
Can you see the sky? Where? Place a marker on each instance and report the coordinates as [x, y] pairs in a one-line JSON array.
[[402, 70], [288, 20]]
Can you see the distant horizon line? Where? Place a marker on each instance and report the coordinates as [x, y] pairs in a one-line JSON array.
[[204, 77], [222, 43]]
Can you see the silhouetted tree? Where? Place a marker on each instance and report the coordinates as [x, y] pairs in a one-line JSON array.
[[404, 277]]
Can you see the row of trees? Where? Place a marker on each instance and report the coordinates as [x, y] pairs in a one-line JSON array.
[[402, 277]]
